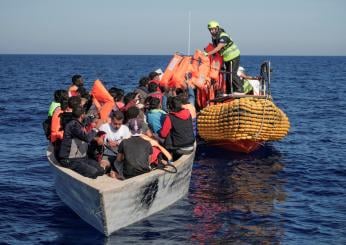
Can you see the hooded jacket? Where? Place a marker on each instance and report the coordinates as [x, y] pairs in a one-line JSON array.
[[75, 141], [177, 129]]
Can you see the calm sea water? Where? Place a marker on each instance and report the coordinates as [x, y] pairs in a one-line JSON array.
[[289, 192]]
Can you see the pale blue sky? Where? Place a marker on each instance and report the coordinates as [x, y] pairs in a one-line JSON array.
[[266, 27]]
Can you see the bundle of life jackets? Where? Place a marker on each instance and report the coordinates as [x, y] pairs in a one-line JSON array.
[[198, 71]]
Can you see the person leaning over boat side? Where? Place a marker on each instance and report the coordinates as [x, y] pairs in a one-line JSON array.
[[230, 53], [74, 147], [135, 152], [116, 131], [251, 84], [177, 129]]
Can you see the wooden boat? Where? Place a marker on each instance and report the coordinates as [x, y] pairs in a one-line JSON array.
[[109, 204]]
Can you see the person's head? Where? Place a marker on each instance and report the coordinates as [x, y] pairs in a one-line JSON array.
[[152, 87], [174, 104], [74, 102], [183, 97], [77, 80], [117, 119], [154, 76], [213, 27], [116, 93], [154, 103], [100, 137], [129, 97], [135, 126], [78, 112], [60, 95], [132, 112], [143, 82], [241, 71]]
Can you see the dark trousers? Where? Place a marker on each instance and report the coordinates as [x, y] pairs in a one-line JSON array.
[[232, 67], [84, 166]]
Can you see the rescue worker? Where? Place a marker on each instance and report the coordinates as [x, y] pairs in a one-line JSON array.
[[230, 53]]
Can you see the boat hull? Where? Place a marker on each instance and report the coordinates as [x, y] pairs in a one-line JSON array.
[[109, 204], [244, 146]]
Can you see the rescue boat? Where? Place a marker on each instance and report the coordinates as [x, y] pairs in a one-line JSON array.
[[243, 123], [240, 123]]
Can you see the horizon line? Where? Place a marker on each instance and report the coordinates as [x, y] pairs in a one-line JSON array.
[[85, 54]]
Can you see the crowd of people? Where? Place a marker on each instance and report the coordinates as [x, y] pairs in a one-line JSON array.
[[107, 131], [124, 136]]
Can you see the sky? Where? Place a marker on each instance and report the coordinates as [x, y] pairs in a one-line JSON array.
[[156, 27]]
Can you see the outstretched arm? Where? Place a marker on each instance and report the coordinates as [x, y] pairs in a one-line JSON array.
[[217, 49]]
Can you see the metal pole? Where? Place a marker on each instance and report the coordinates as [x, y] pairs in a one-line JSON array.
[[231, 77], [189, 39]]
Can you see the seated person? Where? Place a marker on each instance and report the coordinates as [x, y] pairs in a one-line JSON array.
[[154, 91], [115, 131], [135, 112], [142, 89], [187, 105], [135, 152], [155, 115], [177, 129], [118, 95], [96, 149], [74, 147]]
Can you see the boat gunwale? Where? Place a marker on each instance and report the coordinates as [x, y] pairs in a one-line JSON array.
[[104, 183]]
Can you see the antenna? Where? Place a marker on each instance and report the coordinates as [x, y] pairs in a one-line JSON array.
[[189, 39]]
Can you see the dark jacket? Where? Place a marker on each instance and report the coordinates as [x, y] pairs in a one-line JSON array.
[[177, 129], [75, 142]]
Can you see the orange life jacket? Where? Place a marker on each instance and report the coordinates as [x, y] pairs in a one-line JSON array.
[[216, 62], [200, 70], [180, 74], [202, 97], [172, 66], [102, 99], [55, 132]]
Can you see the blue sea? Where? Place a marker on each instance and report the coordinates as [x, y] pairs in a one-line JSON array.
[[289, 192]]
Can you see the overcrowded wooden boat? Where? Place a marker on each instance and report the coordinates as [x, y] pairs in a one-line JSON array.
[[109, 204]]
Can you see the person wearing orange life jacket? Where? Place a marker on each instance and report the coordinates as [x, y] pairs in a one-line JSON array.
[[230, 53]]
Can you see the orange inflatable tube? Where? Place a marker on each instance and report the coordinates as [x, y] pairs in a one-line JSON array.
[[104, 101]]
